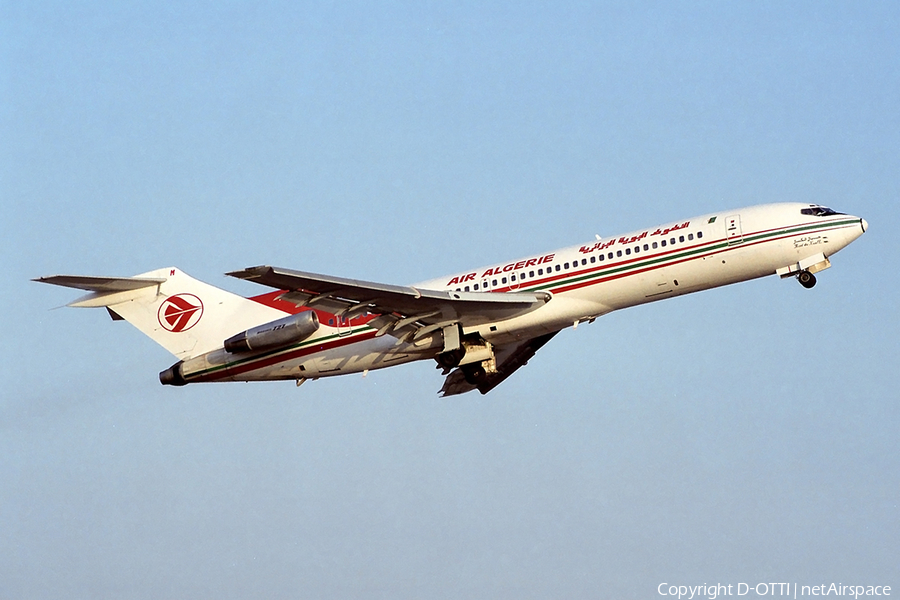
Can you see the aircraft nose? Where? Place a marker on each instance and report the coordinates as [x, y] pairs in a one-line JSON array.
[[864, 224]]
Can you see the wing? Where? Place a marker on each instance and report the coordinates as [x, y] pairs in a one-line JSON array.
[[509, 358], [404, 311]]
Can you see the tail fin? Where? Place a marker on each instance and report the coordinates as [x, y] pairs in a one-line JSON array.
[[183, 315]]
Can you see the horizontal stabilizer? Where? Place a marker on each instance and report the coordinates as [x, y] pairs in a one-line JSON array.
[[100, 284]]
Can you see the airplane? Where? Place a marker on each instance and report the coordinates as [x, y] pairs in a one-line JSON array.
[[479, 325]]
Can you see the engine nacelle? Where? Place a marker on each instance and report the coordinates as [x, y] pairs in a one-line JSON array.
[[275, 334], [173, 375]]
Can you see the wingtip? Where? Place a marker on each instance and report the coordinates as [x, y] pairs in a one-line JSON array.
[[249, 272]]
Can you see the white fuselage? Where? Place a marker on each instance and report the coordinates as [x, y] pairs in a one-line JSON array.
[[586, 281]]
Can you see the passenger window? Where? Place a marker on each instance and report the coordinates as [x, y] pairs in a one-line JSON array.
[[609, 256], [637, 249], [681, 238], [566, 266], [602, 258], [540, 271], [654, 245], [663, 243], [512, 277], [558, 267], [646, 247], [466, 288], [672, 241], [531, 273], [494, 283], [593, 259], [476, 287], [619, 253], [503, 279], [699, 234], [628, 251], [690, 236]]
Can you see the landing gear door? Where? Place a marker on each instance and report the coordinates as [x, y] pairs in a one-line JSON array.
[[733, 232]]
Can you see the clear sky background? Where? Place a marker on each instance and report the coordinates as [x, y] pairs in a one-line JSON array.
[[746, 434]]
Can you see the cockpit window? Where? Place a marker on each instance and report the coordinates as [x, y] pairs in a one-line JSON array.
[[819, 211]]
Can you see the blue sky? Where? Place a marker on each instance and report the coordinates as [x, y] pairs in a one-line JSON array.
[[738, 435]]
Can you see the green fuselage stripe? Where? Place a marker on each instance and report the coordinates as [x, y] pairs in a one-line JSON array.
[[680, 255], [256, 357]]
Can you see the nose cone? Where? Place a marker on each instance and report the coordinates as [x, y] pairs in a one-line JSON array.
[[854, 228]]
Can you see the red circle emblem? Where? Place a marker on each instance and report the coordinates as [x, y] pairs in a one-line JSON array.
[[180, 312]]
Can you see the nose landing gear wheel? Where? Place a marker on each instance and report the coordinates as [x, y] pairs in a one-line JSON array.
[[806, 279]]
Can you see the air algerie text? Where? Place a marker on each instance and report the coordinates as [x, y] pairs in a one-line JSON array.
[[522, 264]]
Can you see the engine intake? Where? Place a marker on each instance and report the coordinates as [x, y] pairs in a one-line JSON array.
[[275, 334]]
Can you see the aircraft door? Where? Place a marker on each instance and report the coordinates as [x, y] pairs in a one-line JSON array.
[[733, 232], [343, 325], [514, 280]]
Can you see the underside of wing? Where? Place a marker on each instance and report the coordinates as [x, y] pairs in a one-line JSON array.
[[402, 310], [508, 359]]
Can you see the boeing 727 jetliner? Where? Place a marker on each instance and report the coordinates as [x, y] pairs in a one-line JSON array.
[[480, 325]]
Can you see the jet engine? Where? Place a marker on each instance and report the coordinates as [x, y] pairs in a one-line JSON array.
[[275, 334]]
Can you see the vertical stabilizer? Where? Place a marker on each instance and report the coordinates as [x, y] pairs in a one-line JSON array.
[[183, 315]]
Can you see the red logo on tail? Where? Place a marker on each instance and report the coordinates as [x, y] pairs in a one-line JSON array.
[[180, 312]]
